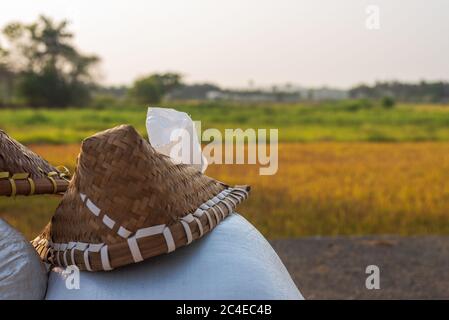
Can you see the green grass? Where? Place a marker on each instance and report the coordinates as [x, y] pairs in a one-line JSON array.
[[342, 121]]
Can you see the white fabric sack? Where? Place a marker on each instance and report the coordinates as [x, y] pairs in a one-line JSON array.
[[22, 274], [234, 261], [173, 133]]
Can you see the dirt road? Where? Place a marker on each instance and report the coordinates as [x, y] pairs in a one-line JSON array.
[[334, 268]]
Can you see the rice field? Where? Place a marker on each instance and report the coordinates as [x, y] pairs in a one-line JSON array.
[[321, 188]]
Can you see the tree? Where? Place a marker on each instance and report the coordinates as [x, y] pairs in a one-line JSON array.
[[6, 78], [52, 71], [153, 88]]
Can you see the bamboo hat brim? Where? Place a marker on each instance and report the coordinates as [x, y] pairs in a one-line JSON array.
[[23, 172], [126, 202]]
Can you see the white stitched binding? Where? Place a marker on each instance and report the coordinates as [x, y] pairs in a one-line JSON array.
[[95, 247], [150, 231], [188, 218], [71, 246], [58, 259], [62, 248], [240, 195], [198, 213], [187, 231], [232, 200], [72, 256], [209, 219], [223, 215], [92, 207], [221, 195], [134, 248], [217, 217], [124, 233], [230, 210], [108, 221], [200, 226], [86, 260], [169, 240], [64, 256], [81, 246], [237, 197], [105, 258], [242, 191]]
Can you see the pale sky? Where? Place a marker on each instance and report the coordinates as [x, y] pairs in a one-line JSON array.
[[230, 42]]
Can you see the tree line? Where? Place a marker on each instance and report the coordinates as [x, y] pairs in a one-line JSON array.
[[422, 92], [41, 67]]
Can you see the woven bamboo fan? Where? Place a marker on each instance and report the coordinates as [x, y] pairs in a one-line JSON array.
[[22, 172], [126, 203]]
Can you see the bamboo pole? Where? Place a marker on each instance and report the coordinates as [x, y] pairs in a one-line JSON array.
[[42, 186]]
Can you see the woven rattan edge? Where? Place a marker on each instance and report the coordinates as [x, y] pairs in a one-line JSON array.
[[107, 257]]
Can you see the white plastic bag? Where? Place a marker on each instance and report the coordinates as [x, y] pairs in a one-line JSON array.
[[233, 262], [173, 133], [22, 274]]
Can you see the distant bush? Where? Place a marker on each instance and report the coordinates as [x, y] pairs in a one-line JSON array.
[[356, 105], [37, 118], [153, 88], [103, 102], [387, 102]]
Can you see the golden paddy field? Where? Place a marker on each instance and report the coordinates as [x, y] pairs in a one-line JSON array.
[[320, 189]]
